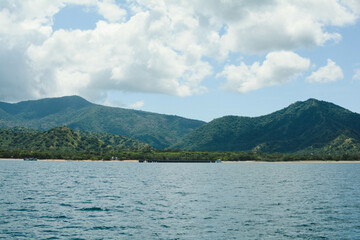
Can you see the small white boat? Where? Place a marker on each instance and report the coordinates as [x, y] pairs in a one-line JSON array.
[[30, 159]]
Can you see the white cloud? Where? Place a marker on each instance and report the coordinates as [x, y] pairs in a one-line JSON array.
[[354, 5], [121, 56], [111, 11], [261, 26], [356, 75], [111, 102], [137, 105], [22, 23], [278, 68], [133, 56], [151, 46], [329, 73]]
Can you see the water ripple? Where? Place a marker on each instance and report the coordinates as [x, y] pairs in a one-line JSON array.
[[92, 209], [86, 200]]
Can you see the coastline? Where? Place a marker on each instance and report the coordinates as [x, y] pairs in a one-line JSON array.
[[296, 161], [247, 161], [67, 160]]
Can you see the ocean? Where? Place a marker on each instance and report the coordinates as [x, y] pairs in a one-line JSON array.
[[121, 200]]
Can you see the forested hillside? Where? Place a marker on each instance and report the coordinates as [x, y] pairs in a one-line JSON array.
[[64, 139], [158, 130], [310, 126]]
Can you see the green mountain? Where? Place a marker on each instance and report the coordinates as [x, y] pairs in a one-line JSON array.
[[304, 127], [158, 130], [64, 139], [310, 126]]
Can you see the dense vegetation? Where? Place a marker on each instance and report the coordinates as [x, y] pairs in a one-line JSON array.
[[63, 140], [158, 130], [310, 130], [168, 156], [304, 127], [64, 143]]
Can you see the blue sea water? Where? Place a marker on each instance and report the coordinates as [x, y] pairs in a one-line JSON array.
[[116, 200]]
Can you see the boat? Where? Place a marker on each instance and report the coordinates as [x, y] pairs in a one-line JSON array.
[[30, 159], [218, 161]]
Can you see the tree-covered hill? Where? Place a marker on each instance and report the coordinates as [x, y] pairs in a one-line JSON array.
[[158, 130], [305, 127], [310, 126], [64, 139]]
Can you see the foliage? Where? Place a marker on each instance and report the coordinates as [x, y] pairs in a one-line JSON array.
[[175, 156], [63, 140], [310, 127], [306, 127], [158, 130], [64, 143]]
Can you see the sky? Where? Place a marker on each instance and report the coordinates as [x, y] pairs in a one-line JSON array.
[[199, 59]]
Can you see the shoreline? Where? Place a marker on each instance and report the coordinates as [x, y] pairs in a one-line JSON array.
[[247, 161], [66, 160], [296, 161]]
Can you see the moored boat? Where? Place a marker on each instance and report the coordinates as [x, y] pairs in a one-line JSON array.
[[30, 159]]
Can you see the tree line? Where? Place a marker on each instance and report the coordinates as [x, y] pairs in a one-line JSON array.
[[167, 155]]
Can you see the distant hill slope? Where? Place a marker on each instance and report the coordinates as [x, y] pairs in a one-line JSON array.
[[158, 130], [310, 126], [64, 139]]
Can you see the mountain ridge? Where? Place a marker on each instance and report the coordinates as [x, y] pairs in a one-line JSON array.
[[158, 130], [311, 124], [302, 127]]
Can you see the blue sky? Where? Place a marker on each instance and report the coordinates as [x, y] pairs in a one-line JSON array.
[[197, 59]]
